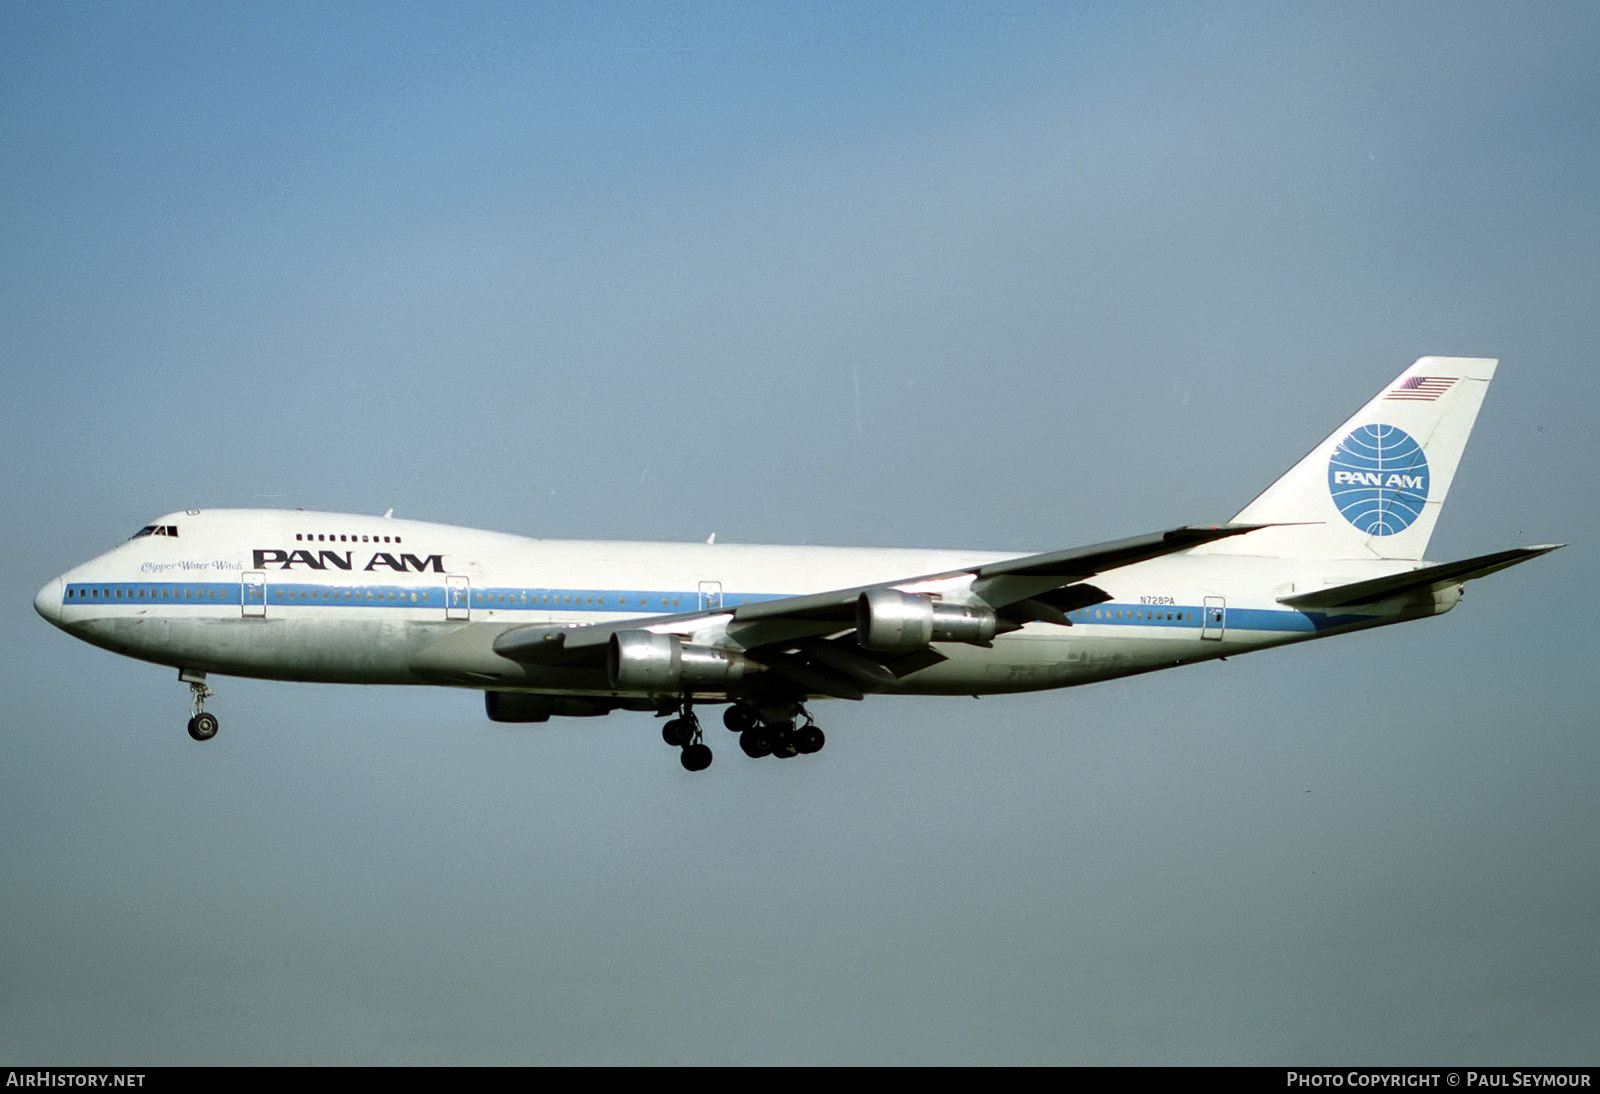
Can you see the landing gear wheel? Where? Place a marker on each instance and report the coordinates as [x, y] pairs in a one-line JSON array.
[[809, 739], [678, 732], [756, 742], [740, 718], [784, 745], [203, 727], [696, 758]]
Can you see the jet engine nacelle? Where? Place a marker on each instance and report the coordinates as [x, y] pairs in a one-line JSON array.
[[890, 621], [518, 706], [643, 661]]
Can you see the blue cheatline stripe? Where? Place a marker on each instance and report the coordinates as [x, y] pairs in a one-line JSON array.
[[651, 601], [497, 598], [144, 592], [1190, 616]]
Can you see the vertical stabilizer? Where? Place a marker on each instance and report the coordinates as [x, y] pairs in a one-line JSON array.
[[1374, 488]]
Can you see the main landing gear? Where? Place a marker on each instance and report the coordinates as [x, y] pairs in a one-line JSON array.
[[763, 731], [684, 732], [771, 731], [202, 726]]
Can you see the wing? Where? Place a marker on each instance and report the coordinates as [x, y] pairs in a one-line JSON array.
[[824, 642]]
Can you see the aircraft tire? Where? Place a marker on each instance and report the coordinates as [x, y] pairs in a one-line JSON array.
[[810, 739], [739, 718], [696, 758], [784, 745], [677, 732], [203, 727], [756, 742]]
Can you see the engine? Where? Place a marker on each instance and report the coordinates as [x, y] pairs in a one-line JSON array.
[[890, 621], [519, 706], [642, 661]]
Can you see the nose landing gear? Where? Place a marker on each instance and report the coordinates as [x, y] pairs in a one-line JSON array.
[[202, 726]]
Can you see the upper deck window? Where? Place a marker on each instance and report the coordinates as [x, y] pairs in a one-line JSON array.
[[156, 530]]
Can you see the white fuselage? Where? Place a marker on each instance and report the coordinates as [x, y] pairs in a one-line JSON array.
[[295, 595]]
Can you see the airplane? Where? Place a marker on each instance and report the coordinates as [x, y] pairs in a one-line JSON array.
[[548, 628]]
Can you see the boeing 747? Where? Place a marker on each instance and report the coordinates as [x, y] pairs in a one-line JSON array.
[[548, 628]]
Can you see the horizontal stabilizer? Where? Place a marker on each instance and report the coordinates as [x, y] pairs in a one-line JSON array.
[[1444, 573]]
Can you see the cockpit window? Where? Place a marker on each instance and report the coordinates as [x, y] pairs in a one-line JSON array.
[[156, 530]]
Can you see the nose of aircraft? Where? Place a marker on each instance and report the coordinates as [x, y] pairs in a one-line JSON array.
[[47, 601]]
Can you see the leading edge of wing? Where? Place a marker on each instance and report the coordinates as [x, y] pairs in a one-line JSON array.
[[998, 583], [1078, 563], [1056, 567]]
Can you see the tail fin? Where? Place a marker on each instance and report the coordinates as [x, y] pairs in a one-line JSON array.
[[1374, 488]]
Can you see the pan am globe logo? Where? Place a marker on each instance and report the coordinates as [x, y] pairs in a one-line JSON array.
[[1378, 477]]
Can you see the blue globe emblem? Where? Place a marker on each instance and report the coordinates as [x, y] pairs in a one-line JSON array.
[[1378, 477]]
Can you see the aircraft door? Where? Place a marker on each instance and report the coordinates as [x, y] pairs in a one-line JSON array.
[[710, 596], [253, 594], [1214, 618], [457, 597]]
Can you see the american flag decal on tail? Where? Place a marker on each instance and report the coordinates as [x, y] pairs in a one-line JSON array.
[[1423, 389]]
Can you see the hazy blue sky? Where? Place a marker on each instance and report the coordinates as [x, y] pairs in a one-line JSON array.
[[1008, 276]]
